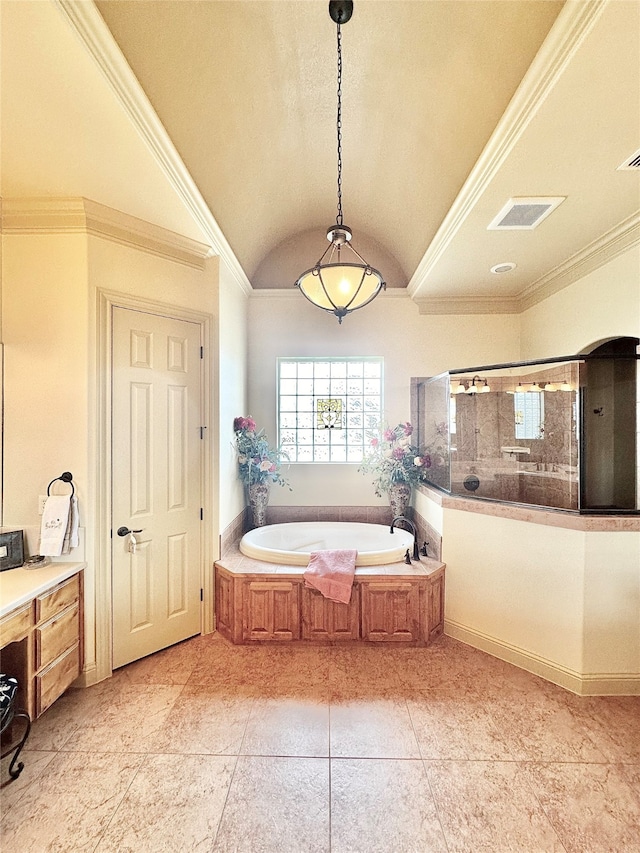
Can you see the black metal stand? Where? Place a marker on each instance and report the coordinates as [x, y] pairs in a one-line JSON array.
[[8, 690], [14, 771]]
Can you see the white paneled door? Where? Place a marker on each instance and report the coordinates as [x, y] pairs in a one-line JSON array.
[[157, 446]]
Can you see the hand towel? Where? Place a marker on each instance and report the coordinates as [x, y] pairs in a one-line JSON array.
[[71, 539], [332, 573], [55, 518]]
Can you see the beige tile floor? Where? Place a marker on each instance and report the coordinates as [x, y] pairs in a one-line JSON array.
[[207, 747]]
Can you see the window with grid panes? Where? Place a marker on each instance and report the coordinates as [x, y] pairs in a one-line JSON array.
[[528, 414], [329, 409]]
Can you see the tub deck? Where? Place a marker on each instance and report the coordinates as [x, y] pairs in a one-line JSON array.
[[259, 602]]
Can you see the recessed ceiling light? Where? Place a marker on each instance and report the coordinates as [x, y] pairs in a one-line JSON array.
[[504, 267]]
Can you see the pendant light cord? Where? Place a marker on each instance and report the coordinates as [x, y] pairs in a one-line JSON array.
[[339, 128]]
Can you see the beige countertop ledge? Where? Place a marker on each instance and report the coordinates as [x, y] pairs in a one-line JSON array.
[[234, 561], [17, 586], [548, 517]]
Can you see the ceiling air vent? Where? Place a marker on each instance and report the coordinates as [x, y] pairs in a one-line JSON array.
[[630, 163], [524, 214]]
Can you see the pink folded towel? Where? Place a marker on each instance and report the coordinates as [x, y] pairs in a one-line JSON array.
[[332, 573]]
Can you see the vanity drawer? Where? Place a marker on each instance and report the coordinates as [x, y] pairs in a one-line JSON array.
[[54, 680], [57, 635], [15, 625], [62, 596]]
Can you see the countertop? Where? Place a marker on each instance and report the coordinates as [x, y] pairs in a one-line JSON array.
[[17, 586], [234, 561]]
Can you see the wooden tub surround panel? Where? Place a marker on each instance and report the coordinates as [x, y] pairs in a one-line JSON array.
[[260, 602]]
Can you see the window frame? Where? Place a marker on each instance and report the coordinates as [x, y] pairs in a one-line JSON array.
[[368, 431]]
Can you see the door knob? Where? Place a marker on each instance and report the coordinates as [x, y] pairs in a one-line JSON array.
[[124, 531]]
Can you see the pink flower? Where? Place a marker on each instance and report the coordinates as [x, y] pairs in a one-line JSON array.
[[374, 442], [408, 429], [389, 435], [398, 453], [265, 465], [241, 424]]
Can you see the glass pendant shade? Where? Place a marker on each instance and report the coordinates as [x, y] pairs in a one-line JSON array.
[[340, 288]]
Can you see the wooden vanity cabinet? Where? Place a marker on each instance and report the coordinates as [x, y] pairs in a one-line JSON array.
[[42, 644]]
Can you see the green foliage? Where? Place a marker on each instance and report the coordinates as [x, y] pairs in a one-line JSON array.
[[257, 461]]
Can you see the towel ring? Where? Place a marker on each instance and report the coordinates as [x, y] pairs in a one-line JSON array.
[[66, 477]]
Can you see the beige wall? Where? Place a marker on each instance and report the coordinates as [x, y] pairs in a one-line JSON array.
[[53, 387], [603, 304], [562, 603], [286, 324], [45, 330], [232, 393]]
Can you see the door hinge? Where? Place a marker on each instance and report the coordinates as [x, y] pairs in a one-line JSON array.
[[201, 595], [202, 429], [201, 352], [201, 514]]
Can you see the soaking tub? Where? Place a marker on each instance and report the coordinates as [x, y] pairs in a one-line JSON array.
[[291, 544]]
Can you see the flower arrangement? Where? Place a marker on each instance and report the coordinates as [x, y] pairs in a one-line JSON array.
[[257, 461], [394, 459]]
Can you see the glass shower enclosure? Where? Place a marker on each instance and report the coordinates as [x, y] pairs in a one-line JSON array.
[[556, 433]]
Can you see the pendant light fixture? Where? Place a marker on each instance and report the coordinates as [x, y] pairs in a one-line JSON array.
[[336, 283]]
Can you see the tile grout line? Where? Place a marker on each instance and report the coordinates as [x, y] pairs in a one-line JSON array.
[[233, 775], [542, 808], [426, 775], [145, 757]]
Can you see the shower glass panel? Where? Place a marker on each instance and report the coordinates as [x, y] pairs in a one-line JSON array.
[[561, 434]]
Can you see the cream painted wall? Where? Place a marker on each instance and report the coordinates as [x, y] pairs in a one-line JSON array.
[[50, 295], [45, 329], [612, 602], [563, 603], [603, 304], [286, 324], [232, 392], [126, 269], [519, 582]]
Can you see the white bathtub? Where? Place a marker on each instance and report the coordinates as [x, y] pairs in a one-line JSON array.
[[291, 544]]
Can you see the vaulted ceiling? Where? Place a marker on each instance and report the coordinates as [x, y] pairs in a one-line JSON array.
[[450, 109]]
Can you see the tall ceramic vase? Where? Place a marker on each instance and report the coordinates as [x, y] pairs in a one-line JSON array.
[[399, 497], [259, 501]]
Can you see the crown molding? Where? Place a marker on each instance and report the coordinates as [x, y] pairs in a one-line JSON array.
[[285, 293], [573, 24], [624, 236], [467, 305], [81, 215], [89, 26], [598, 253]]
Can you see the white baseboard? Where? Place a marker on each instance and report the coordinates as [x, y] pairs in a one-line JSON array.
[[88, 677], [584, 684]]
